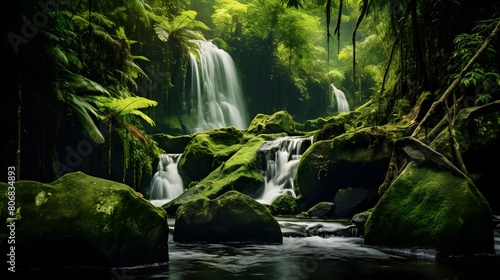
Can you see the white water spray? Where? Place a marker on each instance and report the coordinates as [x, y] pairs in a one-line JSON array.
[[340, 99], [166, 183], [283, 155], [216, 92]]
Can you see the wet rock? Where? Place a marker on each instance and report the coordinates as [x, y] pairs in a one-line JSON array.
[[431, 208], [355, 159], [241, 172], [322, 210], [84, 221], [353, 200], [278, 122], [359, 220], [209, 150], [231, 218]]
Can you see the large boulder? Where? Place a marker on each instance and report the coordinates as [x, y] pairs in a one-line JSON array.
[[428, 207], [278, 122], [172, 144], [355, 159], [208, 150], [84, 221], [232, 217]]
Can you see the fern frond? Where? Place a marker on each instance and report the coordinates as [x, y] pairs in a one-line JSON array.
[[59, 56], [103, 21], [81, 83], [81, 110], [124, 106], [140, 7], [143, 116], [162, 33]]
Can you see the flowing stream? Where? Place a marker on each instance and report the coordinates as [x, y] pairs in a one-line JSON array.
[[166, 183], [282, 156], [339, 256]]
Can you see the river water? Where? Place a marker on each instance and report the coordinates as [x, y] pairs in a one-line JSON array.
[[321, 256]]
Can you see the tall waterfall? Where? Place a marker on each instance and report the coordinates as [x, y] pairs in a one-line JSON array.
[[166, 183], [340, 99], [282, 155], [216, 92]]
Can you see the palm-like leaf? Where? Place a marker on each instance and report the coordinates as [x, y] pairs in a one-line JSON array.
[[82, 84], [182, 26], [81, 109], [119, 107], [143, 116]]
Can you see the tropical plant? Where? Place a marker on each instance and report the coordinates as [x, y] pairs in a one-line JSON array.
[[120, 113], [484, 77], [179, 34]]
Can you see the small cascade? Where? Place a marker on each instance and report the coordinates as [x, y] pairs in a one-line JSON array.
[[282, 157], [166, 183], [216, 95], [340, 99]]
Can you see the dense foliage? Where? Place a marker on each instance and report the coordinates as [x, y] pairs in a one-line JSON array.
[[75, 68]]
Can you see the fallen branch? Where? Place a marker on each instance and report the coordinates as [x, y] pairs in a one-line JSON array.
[[457, 80]]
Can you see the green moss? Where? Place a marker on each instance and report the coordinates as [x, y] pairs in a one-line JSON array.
[[428, 208], [321, 210], [83, 210], [208, 150], [172, 144], [240, 172], [285, 205], [231, 217], [280, 121]]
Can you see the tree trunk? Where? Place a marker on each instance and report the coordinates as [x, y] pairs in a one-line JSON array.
[[455, 83]]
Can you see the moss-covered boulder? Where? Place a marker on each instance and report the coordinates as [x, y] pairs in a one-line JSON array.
[[427, 207], [278, 122], [330, 131], [355, 159], [84, 221], [208, 150], [241, 172], [285, 205], [173, 144], [359, 220], [232, 217], [321, 210]]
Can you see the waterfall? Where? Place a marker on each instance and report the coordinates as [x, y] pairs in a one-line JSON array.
[[166, 183], [339, 96], [216, 92], [282, 155]]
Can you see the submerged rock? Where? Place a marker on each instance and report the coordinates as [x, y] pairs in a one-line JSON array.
[[430, 208], [84, 221], [232, 217]]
